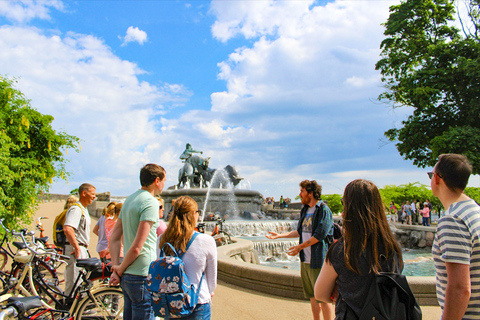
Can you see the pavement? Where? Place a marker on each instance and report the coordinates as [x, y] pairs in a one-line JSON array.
[[230, 302]]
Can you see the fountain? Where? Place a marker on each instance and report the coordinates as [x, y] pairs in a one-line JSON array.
[[215, 190]]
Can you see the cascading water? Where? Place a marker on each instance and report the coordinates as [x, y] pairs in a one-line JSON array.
[[220, 179]]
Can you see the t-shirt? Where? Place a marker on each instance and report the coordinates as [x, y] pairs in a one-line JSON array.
[[425, 212], [307, 230], [102, 237], [162, 226], [140, 206], [458, 241], [78, 218]]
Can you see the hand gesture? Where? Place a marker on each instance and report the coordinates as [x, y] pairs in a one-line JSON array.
[[293, 251], [272, 235]]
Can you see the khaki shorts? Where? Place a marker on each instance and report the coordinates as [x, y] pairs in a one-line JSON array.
[[309, 277]]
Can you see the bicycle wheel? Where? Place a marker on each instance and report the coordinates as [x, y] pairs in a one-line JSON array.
[[106, 304], [45, 278]]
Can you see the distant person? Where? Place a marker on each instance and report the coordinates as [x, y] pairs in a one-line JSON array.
[[282, 202], [393, 211], [99, 229], [425, 215], [315, 230], [110, 225], [430, 206], [456, 247], [408, 212], [77, 231], [200, 258], [353, 260], [137, 223], [414, 212], [170, 212], [162, 226]]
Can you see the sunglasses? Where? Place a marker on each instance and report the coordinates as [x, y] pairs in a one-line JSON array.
[[160, 207], [431, 174]]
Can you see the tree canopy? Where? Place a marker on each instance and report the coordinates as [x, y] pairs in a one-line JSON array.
[[428, 64], [31, 154]]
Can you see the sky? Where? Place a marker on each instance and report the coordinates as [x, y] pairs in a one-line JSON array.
[[282, 90]]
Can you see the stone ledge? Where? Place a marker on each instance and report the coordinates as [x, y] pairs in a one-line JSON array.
[[287, 283]]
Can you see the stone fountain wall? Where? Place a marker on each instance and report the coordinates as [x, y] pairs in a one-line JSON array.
[[219, 199]]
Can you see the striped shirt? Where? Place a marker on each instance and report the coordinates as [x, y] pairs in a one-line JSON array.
[[458, 241]]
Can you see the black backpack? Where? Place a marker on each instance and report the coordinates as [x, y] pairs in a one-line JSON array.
[[389, 298]]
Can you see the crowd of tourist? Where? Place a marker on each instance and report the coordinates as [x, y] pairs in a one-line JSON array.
[[332, 272], [412, 213]]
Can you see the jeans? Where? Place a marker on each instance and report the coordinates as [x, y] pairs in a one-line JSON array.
[[201, 312], [137, 299], [425, 222]]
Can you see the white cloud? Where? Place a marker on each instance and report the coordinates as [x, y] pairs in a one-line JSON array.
[[95, 96], [26, 10], [134, 34]]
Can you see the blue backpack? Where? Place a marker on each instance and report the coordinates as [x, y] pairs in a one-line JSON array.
[[173, 296]]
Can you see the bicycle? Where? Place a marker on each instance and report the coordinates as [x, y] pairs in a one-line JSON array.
[[41, 264], [86, 300], [221, 236]]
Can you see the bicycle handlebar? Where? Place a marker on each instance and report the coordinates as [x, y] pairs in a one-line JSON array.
[[24, 233]]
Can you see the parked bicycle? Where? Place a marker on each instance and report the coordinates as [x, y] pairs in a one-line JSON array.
[[221, 236], [86, 300]]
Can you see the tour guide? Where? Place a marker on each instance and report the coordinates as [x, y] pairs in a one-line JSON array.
[[314, 226]]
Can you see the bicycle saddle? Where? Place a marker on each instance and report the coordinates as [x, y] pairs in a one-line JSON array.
[[23, 304], [90, 264], [19, 245], [42, 239]]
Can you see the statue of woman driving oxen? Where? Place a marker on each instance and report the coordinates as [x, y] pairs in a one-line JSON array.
[[195, 171]]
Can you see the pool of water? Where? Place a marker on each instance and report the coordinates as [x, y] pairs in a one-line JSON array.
[[272, 253]]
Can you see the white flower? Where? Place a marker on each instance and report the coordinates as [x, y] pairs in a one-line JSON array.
[[172, 287], [176, 279], [162, 311], [149, 277]]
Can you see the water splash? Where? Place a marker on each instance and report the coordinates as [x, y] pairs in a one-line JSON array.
[[221, 180]]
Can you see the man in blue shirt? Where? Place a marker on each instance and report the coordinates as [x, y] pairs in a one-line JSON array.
[[315, 229]]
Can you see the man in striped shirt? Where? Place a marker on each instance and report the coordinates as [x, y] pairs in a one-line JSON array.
[[456, 249]]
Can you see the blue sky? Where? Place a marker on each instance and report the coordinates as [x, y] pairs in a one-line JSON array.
[[283, 90]]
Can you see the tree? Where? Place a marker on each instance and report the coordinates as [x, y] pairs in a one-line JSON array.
[[30, 154], [429, 65], [334, 202]]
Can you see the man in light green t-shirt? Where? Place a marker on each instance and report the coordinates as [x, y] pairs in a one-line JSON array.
[[137, 224]]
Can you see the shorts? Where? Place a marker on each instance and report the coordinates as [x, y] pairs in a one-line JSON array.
[[309, 277]]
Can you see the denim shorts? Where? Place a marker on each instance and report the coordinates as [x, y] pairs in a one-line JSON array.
[[137, 299]]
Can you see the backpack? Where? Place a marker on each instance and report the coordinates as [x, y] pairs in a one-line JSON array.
[[389, 298], [59, 238], [173, 296]]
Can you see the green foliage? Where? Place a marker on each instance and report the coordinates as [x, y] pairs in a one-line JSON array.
[[428, 65], [408, 192], [334, 202], [30, 155], [473, 193], [74, 192]]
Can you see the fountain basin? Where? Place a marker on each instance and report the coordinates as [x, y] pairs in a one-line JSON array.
[[287, 283]]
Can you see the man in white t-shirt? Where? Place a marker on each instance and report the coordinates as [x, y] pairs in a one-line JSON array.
[[77, 232], [456, 249]]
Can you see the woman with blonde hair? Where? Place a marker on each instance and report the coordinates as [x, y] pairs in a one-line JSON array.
[[201, 257], [70, 201], [367, 247], [99, 230]]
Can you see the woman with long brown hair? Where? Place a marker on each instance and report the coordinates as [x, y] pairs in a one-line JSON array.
[[367, 247], [201, 256]]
